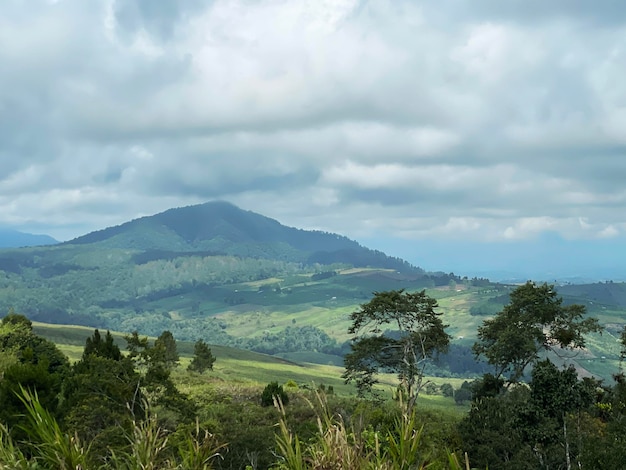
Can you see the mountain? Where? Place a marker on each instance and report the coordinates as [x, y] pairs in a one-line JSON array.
[[232, 277], [183, 268], [12, 239], [220, 228]]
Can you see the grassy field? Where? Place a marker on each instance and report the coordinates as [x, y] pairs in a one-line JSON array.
[[326, 304], [245, 371]]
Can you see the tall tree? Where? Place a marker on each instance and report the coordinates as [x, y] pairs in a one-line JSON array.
[[203, 358], [102, 347], [165, 349], [395, 331], [535, 321], [154, 363]]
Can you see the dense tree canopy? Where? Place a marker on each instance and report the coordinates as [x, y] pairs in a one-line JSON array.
[[203, 358], [396, 331], [98, 346], [534, 321], [166, 350]]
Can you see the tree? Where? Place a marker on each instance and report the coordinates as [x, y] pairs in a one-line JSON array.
[[102, 347], [16, 319], [447, 390], [165, 349], [396, 331], [100, 398], [463, 394], [154, 363], [535, 321], [203, 359], [138, 348]]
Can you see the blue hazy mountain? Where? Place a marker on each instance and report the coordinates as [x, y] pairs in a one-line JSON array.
[[10, 238], [548, 257]]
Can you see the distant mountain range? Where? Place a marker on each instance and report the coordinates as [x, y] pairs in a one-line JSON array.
[[13, 239]]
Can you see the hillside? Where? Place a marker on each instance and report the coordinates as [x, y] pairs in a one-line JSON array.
[[182, 268], [239, 279], [220, 228]]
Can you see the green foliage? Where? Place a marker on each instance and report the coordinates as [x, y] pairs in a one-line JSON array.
[[102, 347], [417, 332], [147, 448], [535, 321], [36, 377], [492, 435], [337, 445], [274, 392], [28, 361], [18, 339], [166, 350], [47, 446], [16, 320], [53, 448], [447, 390], [11, 455], [100, 396], [203, 358], [155, 363], [463, 394], [536, 426], [198, 448], [292, 339]]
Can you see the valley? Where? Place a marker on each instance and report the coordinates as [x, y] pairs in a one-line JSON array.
[[274, 304], [238, 279]]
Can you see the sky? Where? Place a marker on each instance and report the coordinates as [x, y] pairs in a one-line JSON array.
[[485, 135]]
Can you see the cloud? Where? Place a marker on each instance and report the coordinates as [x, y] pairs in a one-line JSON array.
[[495, 121]]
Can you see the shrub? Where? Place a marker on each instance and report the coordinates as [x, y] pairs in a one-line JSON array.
[[273, 391]]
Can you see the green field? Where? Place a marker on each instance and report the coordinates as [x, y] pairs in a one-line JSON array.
[[326, 305], [247, 371]]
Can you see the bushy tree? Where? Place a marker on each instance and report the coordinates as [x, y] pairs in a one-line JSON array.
[[396, 331], [154, 363], [203, 358], [274, 391], [166, 350], [534, 322], [28, 361], [98, 346], [15, 319], [100, 398]]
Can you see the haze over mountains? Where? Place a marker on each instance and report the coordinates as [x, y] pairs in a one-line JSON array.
[[547, 258], [10, 238]]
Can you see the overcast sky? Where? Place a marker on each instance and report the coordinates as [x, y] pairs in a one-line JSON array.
[[487, 120]]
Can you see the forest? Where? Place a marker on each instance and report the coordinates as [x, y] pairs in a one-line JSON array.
[[146, 405]]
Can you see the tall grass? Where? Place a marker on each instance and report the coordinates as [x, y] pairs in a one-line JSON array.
[[11, 456], [49, 448], [339, 447]]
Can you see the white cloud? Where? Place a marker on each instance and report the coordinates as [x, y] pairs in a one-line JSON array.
[[500, 121]]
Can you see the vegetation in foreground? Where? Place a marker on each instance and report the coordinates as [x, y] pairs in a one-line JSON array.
[[114, 410], [140, 410]]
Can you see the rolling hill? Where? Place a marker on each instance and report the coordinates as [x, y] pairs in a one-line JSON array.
[[183, 267], [220, 228], [239, 279]]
